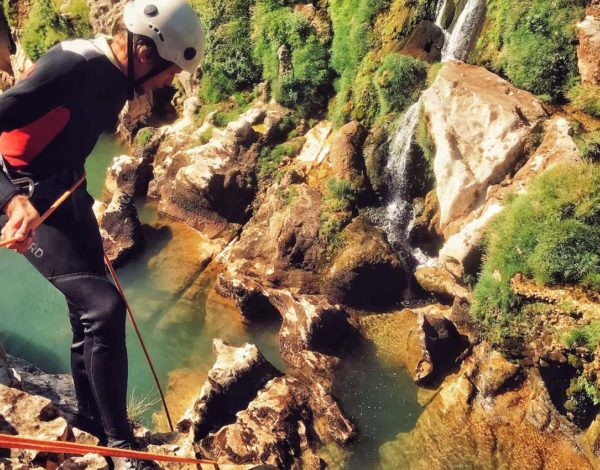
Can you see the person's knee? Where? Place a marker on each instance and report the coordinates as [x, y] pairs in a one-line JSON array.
[[99, 303]]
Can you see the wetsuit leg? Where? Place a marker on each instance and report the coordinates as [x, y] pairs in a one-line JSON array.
[[67, 250]]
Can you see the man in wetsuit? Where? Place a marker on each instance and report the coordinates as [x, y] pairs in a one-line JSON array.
[[50, 122]]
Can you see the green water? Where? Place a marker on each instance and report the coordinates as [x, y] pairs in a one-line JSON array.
[[179, 335]]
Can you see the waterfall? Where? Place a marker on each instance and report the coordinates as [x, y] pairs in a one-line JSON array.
[[458, 42], [399, 212]]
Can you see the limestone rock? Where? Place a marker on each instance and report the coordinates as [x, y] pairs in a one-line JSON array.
[[557, 147], [120, 228], [588, 33], [274, 429], [423, 341], [365, 272], [234, 380], [104, 14], [7, 376], [480, 125], [468, 422], [346, 155], [438, 280]]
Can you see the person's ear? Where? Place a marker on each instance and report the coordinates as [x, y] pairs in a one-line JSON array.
[[144, 54]]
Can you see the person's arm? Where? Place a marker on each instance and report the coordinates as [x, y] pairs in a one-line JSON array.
[[33, 97]]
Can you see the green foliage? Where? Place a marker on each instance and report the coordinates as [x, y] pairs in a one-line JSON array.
[[532, 42], [551, 234], [305, 86], [10, 12], [225, 111], [399, 80], [424, 140], [206, 135], [270, 159], [586, 98], [586, 336], [589, 145], [338, 205], [46, 26], [582, 400], [228, 64], [143, 137], [351, 21]]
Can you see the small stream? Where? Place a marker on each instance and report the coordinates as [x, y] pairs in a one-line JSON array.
[[381, 399]]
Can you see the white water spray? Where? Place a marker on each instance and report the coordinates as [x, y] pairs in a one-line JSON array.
[[459, 40]]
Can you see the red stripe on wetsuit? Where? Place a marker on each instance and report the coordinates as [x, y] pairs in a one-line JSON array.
[[21, 146]]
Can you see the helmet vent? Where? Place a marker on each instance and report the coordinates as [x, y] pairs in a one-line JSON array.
[[189, 53], [151, 11]]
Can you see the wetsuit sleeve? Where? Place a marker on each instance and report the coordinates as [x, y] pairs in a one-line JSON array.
[[43, 89]]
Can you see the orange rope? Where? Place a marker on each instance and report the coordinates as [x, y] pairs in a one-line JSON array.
[[61, 447], [50, 211], [139, 335]]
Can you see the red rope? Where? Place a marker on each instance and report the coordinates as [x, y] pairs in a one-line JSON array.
[[61, 447]]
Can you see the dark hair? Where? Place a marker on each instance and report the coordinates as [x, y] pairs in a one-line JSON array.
[[119, 29]]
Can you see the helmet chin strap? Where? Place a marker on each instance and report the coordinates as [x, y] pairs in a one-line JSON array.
[[133, 83]]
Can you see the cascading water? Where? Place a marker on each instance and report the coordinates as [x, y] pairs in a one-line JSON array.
[[458, 42]]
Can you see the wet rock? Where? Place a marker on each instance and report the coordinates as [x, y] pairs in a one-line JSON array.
[[7, 376], [588, 34], [275, 429], [438, 280], [317, 145], [134, 115], [234, 380], [375, 154], [557, 147], [423, 341], [480, 125], [425, 42], [131, 174], [346, 155], [468, 421], [120, 228], [426, 233], [365, 273]]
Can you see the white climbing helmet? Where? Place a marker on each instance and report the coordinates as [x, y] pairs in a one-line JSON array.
[[173, 26]]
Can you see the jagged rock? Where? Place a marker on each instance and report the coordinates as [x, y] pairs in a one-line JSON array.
[[480, 126], [134, 115], [7, 377], [132, 174], [346, 155], [468, 422], [209, 186], [312, 328], [375, 152], [366, 272], [557, 147], [422, 340], [588, 33], [55, 387], [425, 232], [491, 373], [104, 14], [234, 380], [425, 42], [85, 462], [31, 415], [120, 228], [275, 429], [438, 280], [317, 144]]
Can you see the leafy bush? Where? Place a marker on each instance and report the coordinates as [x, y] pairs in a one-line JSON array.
[[532, 43], [143, 137], [585, 336], [586, 98], [338, 206], [45, 27], [10, 12], [228, 64], [551, 234], [306, 86], [270, 159]]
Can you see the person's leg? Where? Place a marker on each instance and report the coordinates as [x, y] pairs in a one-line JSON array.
[[68, 252]]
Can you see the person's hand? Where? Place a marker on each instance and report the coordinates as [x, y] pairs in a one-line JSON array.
[[22, 218]]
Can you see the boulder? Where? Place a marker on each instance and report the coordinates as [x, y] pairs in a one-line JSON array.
[[489, 412], [481, 126], [422, 340], [588, 33], [346, 155], [365, 272], [7, 376], [557, 147], [234, 381], [120, 228], [439, 281], [275, 429]]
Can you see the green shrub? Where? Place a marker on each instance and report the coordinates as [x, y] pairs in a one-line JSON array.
[[306, 86], [228, 65], [532, 42], [338, 205], [45, 27], [10, 12], [270, 159], [143, 137], [586, 98], [586, 336], [551, 234]]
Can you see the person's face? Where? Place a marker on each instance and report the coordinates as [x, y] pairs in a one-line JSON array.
[[161, 80]]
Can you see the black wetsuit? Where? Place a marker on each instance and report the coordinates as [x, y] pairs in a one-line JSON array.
[[51, 121]]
